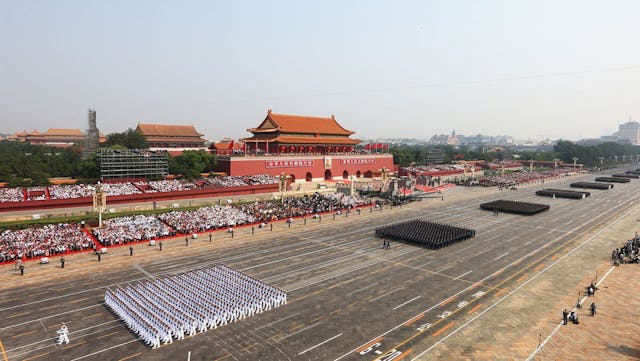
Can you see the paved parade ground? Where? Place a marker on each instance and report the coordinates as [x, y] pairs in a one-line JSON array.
[[497, 296]]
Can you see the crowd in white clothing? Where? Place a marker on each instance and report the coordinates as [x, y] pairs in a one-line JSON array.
[[54, 239], [11, 195], [164, 309], [137, 228], [207, 218], [43, 241], [70, 191]]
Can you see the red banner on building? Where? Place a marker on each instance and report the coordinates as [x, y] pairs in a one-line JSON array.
[[289, 163], [354, 161]]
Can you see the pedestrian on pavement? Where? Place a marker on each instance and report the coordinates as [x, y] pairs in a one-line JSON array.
[[186, 241], [21, 270], [130, 250], [210, 237], [592, 308], [565, 316], [62, 262], [160, 245]]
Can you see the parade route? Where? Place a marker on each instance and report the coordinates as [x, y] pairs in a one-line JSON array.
[[494, 296]]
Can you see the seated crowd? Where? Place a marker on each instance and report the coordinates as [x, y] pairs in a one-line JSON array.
[[127, 188], [55, 239], [124, 230], [515, 178], [43, 241], [11, 195]]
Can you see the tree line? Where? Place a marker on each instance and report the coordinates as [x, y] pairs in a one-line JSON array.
[[24, 164]]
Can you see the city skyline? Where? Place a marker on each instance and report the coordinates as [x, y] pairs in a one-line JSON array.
[[533, 70]]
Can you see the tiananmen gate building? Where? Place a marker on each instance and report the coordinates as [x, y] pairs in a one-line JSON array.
[[305, 149]]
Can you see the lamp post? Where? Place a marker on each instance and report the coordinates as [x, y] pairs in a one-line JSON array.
[[616, 158], [555, 165], [531, 165], [99, 202], [601, 159], [502, 163], [464, 170], [283, 185], [575, 159]]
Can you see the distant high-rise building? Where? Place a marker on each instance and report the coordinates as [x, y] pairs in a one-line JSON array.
[[92, 142], [630, 131]]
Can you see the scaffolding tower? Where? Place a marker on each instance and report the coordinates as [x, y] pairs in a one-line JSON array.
[[133, 163]]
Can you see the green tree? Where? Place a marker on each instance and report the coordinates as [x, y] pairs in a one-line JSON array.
[[129, 139], [192, 163]]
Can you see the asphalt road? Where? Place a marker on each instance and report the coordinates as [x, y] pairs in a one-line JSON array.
[[349, 299]]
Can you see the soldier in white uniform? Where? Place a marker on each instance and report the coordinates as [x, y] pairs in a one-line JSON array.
[[64, 334]]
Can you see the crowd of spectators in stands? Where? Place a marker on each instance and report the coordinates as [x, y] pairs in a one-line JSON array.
[[60, 238], [515, 178], [36, 193], [128, 188], [11, 195], [131, 229], [71, 191], [207, 218], [43, 241]]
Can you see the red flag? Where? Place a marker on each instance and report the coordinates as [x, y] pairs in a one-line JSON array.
[[231, 144]]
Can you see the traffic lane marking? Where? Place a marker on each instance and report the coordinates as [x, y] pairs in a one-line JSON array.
[[475, 308], [411, 321], [442, 329], [369, 344], [24, 333]]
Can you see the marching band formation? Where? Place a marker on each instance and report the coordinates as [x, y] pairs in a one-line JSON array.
[[164, 309]]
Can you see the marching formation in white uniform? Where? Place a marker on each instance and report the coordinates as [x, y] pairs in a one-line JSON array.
[[164, 309]]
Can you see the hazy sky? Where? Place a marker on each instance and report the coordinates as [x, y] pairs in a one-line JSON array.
[[530, 69]]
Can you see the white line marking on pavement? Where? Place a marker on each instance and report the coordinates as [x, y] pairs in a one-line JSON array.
[[500, 256], [555, 330], [462, 275], [297, 332], [274, 322], [137, 266], [106, 349], [411, 300], [320, 344]]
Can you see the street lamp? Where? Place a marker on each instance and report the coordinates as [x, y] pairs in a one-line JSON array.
[[616, 158], [99, 202], [555, 165], [464, 170], [575, 159], [601, 159], [531, 165], [283, 185]]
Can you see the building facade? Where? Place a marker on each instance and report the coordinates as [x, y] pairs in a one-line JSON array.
[[172, 138], [294, 134], [630, 131], [304, 149]]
